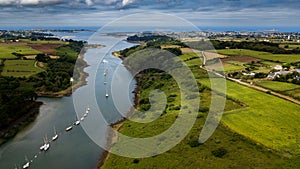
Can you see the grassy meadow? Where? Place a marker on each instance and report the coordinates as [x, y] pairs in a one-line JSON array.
[[6, 51], [286, 58], [20, 68], [277, 86]]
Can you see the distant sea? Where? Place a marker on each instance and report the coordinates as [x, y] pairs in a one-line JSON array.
[[179, 29]]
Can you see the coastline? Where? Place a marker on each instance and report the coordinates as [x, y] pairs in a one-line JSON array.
[[81, 81], [113, 136], [19, 124]]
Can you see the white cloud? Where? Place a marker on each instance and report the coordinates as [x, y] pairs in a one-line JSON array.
[[127, 2]]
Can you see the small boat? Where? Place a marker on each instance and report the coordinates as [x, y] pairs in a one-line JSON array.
[[77, 122], [46, 145], [105, 82], [105, 72], [27, 164], [88, 109], [87, 112], [106, 95], [43, 146], [69, 128], [84, 115], [55, 135], [82, 118]]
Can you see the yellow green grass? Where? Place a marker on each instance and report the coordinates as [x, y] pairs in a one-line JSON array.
[[45, 42], [277, 86], [6, 52], [287, 58], [20, 68], [268, 120]]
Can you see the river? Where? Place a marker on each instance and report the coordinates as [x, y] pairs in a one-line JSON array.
[[74, 149]]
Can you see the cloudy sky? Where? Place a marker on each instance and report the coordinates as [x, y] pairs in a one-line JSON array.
[[205, 13]]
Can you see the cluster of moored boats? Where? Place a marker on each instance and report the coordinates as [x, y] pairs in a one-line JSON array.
[[46, 143]]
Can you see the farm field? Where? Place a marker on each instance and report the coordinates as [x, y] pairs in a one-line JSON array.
[[268, 120], [277, 86], [7, 50], [287, 58], [20, 68]]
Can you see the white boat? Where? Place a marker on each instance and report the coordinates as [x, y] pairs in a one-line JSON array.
[[88, 109], [87, 112], [106, 95], [69, 128], [105, 72], [47, 146], [84, 115], [82, 118], [55, 135], [43, 146], [105, 82], [77, 122], [27, 164]]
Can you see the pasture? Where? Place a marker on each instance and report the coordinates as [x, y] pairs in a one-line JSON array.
[[286, 58], [20, 68], [6, 51], [268, 120], [277, 86]]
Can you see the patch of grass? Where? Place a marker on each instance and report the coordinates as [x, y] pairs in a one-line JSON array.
[[6, 52], [45, 42], [66, 51], [20, 68], [277, 86], [287, 58], [229, 67]]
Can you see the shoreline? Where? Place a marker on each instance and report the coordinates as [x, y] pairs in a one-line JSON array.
[[112, 136], [81, 81], [21, 123]]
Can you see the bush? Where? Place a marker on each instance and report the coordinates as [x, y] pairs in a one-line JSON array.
[[135, 161], [194, 143], [220, 152]]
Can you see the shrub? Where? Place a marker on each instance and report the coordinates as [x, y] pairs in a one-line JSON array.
[[220, 152], [135, 161]]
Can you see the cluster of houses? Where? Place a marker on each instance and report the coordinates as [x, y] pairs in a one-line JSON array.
[[282, 71], [279, 72]]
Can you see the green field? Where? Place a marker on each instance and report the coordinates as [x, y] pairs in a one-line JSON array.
[[278, 86], [287, 58], [66, 51], [228, 68], [20, 68], [44, 42], [6, 51], [268, 120]]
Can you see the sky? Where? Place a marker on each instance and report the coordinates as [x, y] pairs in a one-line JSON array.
[[203, 13]]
